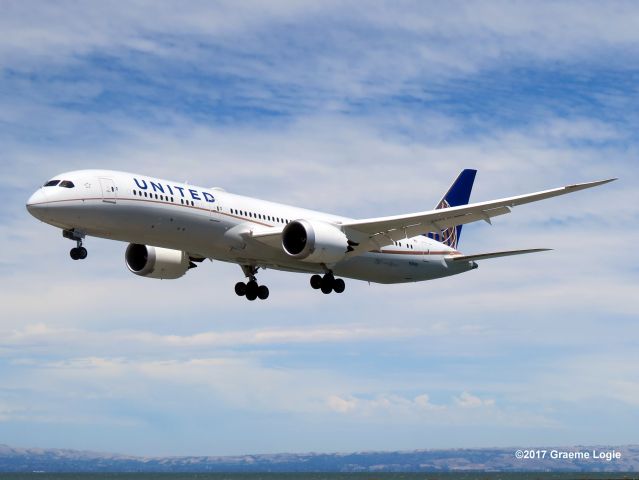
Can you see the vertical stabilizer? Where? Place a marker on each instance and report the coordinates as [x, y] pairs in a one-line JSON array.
[[458, 194]]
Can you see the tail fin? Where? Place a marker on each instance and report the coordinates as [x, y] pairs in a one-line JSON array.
[[458, 194]]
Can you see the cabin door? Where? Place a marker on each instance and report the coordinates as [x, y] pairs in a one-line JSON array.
[[109, 192]]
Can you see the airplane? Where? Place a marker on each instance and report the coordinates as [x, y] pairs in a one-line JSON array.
[[172, 226]]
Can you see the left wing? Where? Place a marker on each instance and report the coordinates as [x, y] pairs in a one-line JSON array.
[[375, 233], [484, 256]]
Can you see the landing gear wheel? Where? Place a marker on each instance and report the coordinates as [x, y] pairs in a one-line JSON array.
[[240, 289], [251, 290], [339, 285], [327, 284], [316, 282], [78, 253], [262, 292]]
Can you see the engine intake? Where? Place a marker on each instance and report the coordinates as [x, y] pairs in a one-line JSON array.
[[314, 241], [156, 262]]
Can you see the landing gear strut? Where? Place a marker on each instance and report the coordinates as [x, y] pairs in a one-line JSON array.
[[79, 252], [328, 283], [251, 290]]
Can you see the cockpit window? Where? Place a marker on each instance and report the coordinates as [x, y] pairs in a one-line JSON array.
[[52, 183], [66, 184]]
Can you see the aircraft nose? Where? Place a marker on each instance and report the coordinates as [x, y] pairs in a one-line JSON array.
[[36, 202]]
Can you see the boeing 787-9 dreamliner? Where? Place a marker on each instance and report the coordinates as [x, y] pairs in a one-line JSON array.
[[171, 226]]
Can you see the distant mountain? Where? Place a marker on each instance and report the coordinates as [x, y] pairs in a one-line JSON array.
[[484, 459]]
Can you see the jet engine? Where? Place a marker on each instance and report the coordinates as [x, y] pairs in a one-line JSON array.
[[156, 262], [313, 241]]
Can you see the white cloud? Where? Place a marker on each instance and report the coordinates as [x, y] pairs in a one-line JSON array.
[[467, 400], [341, 405]]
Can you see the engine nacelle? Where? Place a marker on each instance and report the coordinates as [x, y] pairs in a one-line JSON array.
[[314, 241], [156, 262]]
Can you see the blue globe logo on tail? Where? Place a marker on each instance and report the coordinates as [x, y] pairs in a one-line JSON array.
[[458, 194], [448, 236]]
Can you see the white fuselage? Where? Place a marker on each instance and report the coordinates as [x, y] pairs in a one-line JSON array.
[[205, 223]]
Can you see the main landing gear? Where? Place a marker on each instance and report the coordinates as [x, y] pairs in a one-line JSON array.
[[328, 283], [79, 252], [251, 290]]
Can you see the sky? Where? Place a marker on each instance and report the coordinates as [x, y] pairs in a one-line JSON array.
[[361, 109]]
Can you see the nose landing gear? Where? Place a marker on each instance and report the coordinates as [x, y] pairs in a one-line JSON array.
[[79, 252], [251, 290], [328, 283]]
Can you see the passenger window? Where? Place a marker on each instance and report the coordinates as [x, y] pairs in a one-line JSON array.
[[51, 183], [66, 184]]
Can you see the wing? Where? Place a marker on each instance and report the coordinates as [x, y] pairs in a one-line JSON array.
[[375, 233], [271, 236], [484, 256]]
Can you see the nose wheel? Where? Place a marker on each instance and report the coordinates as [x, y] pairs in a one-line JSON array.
[[79, 252], [328, 283], [251, 290]]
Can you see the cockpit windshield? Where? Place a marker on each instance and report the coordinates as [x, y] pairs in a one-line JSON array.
[[66, 184], [51, 183]]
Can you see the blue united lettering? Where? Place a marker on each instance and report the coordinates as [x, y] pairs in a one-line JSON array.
[[158, 187], [142, 185]]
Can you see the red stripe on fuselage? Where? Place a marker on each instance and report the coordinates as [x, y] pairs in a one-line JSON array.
[[163, 202]]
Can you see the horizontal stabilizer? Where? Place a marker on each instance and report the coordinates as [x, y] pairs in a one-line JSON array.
[[484, 256]]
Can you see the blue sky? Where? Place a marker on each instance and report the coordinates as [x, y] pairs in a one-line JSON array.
[[359, 109]]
